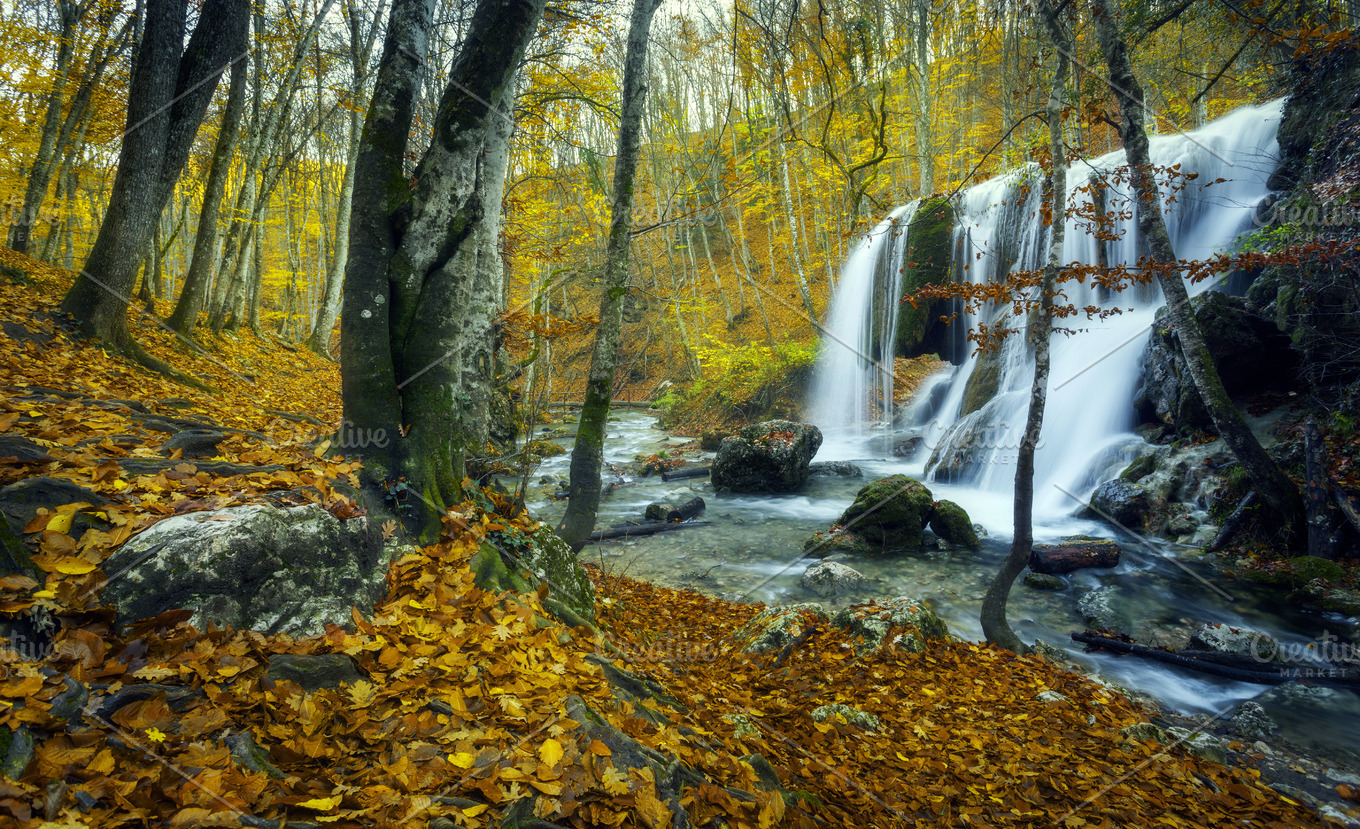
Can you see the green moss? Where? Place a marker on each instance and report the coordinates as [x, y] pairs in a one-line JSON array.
[[983, 382], [1307, 568], [950, 522], [1141, 467], [930, 238]]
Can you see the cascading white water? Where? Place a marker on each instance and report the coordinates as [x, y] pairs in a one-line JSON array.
[[1088, 428], [852, 388]]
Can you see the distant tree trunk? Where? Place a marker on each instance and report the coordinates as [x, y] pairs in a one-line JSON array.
[[168, 95], [360, 49], [69, 13], [418, 334], [588, 452], [1274, 487], [1040, 330], [202, 260]]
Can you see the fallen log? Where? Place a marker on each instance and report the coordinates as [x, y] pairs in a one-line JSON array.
[[1347, 506], [682, 474], [1234, 523], [687, 510], [1056, 559], [639, 530], [1276, 674]]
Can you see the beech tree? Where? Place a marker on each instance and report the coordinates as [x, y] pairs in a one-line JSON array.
[[170, 88], [588, 452], [423, 280]]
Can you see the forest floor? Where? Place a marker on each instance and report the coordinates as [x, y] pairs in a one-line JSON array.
[[461, 711]]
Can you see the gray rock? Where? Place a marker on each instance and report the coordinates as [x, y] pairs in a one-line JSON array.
[[1044, 581], [909, 622], [23, 450], [766, 457], [862, 720], [1052, 696], [657, 511], [829, 578], [1097, 610], [835, 469], [1251, 722], [1122, 501], [1246, 643], [20, 501], [314, 672], [258, 567]]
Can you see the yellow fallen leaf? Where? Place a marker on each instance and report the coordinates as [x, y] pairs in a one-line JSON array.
[[61, 522], [463, 760], [473, 811], [550, 752], [321, 804]]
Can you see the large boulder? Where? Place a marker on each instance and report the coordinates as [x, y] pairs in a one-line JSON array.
[[258, 567], [766, 457], [540, 558], [1241, 643], [903, 623], [1248, 350], [949, 521], [1123, 502]]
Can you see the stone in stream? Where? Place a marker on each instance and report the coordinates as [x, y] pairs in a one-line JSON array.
[[766, 457], [657, 511], [950, 522], [1120, 501], [1044, 581], [1218, 638], [830, 578], [891, 512], [1097, 611], [1251, 722]]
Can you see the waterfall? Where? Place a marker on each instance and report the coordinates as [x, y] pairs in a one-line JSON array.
[[852, 386], [1088, 428]]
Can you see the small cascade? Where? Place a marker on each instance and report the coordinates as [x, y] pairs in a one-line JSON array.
[[852, 389], [971, 420]]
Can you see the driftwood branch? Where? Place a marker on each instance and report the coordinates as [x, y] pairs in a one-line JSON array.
[[1266, 674], [639, 530]]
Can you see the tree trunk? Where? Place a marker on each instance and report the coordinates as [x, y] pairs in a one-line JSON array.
[[421, 281], [994, 624], [168, 96], [588, 452], [1276, 490], [185, 316]]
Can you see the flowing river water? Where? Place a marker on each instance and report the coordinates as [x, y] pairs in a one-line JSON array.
[[752, 551]]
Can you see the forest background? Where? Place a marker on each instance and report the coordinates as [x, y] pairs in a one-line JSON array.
[[774, 134]]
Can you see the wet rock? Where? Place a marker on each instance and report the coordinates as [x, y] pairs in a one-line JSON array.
[[835, 469], [1248, 644], [1248, 350], [546, 559], [1044, 581], [902, 624], [1330, 599], [17, 748], [20, 501], [1251, 722], [766, 457], [316, 671], [829, 578], [1181, 524], [832, 541], [657, 511], [891, 512], [256, 567], [1097, 610], [949, 521], [838, 712], [907, 446], [1121, 501]]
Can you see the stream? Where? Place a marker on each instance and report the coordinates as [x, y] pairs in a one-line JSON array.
[[751, 552]]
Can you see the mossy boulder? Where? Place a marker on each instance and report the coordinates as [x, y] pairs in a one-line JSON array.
[[766, 457], [902, 624], [772, 629], [930, 240], [950, 522], [890, 513], [839, 712], [1305, 569]]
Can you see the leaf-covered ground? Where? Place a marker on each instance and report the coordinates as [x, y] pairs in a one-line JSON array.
[[461, 711]]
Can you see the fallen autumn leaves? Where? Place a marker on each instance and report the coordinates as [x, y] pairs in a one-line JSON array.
[[473, 708]]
